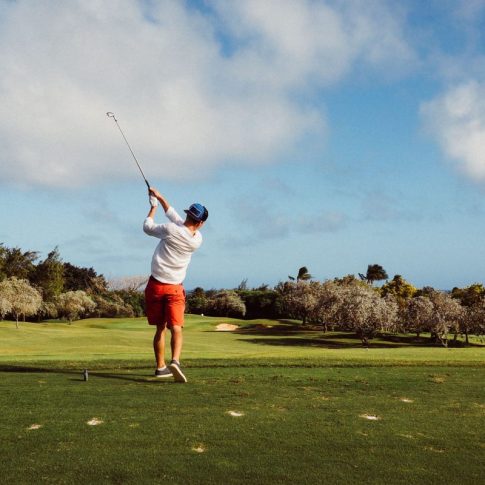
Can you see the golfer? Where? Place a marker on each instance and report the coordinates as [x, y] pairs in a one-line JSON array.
[[164, 294]]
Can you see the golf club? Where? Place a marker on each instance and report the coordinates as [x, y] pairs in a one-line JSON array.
[[109, 114]]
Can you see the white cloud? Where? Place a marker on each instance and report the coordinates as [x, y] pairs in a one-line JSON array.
[[190, 89], [456, 119]]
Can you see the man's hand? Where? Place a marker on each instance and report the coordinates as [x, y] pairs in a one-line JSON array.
[[153, 192], [153, 201]]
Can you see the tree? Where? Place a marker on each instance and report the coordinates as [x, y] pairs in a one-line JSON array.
[[243, 285], [447, 315], [226, 303], [364, 311], [330, 299], [348, 279], [418, 315], [470, 295], [48, 309], [85, 279], [303, 275], [375, 272], [111, 305], [299, 298], [402, 291], [399, 288], [196, 301], [49, 276], [425, 291], [474, 321], [3, 251], [23, 299], [5, 307], [133, 299], [73, 304], [261, 302], [17, 263]]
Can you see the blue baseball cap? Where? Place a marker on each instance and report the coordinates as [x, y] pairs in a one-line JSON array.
[[197, 212]]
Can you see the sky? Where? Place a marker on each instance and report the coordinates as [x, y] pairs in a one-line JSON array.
[[331, 134]]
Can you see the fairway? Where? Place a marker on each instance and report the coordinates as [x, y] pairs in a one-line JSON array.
[[266, 405]]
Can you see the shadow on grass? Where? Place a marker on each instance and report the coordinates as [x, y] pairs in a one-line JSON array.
[[296, 335], [77, 375], [310, 342]]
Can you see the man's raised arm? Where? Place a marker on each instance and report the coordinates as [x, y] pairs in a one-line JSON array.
[[160, 198]]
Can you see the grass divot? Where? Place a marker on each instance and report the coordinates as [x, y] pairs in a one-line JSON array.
[[95, 422], [370, 417], [235, 414], [434, 450]]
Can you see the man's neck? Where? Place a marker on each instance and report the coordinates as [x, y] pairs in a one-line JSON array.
[[191, 227]]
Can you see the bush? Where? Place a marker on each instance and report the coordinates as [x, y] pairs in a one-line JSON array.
[[110, 305], [261, 303], [74, 304], [226, 303]]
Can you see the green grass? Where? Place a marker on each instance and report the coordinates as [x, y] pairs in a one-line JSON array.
[[130, 340], [302, 396]]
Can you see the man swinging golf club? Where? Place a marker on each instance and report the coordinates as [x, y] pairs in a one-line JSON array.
[[164, 294]]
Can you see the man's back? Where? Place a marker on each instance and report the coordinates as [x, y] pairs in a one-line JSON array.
[[174, 251]]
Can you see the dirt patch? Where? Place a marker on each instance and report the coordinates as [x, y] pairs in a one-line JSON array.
[[226, 327]]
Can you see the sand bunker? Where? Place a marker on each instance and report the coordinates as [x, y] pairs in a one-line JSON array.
[[226, 327], [35, 426], [405, 399]]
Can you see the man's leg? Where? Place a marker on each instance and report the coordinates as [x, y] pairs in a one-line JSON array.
[[176, 342], [175, 320], [159, 345]]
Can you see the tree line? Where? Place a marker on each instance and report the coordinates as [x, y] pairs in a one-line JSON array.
[[51, 288], [354, 304]]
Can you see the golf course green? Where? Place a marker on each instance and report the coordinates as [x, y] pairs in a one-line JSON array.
[[266, 403]]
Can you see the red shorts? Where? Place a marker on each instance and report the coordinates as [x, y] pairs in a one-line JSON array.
[[164, 303]]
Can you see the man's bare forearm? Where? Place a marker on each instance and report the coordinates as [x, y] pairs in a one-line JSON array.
[[152, 212]]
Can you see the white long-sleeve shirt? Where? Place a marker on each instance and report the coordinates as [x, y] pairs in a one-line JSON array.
[[174, 251]]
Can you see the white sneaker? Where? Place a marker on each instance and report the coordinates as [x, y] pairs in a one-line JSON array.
[[177, 373]]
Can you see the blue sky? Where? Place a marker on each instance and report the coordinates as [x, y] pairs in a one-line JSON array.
[[331, 134]]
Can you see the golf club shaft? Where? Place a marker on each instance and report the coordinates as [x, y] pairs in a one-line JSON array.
[[112, 115]]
